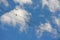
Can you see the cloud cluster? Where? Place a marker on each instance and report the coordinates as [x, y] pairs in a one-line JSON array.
[[21, 16], [17, 15], [53, 5]]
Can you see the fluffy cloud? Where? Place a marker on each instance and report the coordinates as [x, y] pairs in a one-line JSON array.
[[18, 15], [23, 1], [5, 2], [46, 27], [52, 4]]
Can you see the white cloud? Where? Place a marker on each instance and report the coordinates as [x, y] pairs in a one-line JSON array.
[[23, 1], [52, 4], [5, 2], [46, 27], [18, 15]]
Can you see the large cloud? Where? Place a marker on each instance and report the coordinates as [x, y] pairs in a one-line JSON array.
[[17, 15], [52, 4]]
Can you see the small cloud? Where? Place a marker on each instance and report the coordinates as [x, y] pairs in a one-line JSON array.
[[46, 27], [56, 20], [16, 16], [52, 4], [36, 6], [21, 2], [5, 2]]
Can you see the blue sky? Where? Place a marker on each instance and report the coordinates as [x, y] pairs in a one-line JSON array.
[[29, 20]]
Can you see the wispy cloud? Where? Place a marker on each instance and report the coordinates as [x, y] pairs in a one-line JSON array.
[[52, 4], [17, 15], [56, 20], [21, 2]]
